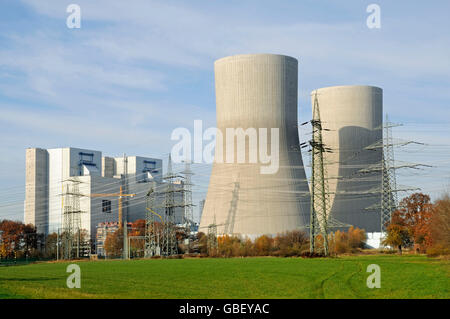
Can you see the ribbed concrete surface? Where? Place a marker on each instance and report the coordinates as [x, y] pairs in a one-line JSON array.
[[257, 91], [354, 116]]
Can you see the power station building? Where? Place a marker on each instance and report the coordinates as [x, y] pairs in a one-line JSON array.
[[86, 181], [256, 95]]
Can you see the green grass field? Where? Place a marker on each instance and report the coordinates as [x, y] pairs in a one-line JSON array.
[[345, 277]]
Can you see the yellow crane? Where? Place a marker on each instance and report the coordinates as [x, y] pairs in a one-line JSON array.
[[121, 195]]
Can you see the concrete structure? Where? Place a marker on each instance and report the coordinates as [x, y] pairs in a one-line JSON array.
[[36, 189], [353, 117], [257, 91], [50, 173]]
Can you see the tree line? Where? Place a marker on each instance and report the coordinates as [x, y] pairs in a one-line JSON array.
[[421, 225], [417, 224]]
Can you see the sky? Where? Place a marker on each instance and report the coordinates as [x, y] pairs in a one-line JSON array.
[[136, 70]]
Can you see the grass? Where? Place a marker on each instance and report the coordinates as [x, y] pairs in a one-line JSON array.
[[345, 277]]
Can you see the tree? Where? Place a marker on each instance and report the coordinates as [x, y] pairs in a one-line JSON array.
[[137, 229], [416, 210], [398, 233], [263, 245], [440, 222], [17, 238], [410, 224], [114, 243], [51, 245]]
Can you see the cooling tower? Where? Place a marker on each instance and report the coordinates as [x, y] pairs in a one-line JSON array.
[[352, 117], [253, 92]]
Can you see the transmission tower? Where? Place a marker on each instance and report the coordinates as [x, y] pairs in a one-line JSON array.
[[169, 240], [229, 226], [211, 238], [388, 167], [125, 211], [71, 233], [152, 231], [188, 208], [388, 179], [320, 203], [166, 241]]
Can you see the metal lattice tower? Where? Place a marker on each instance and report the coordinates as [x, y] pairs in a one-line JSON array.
[[71, 232], [152, 231], [211, 238], [320, 203], [229, 226], [169, 238], [188, 208], [389, 188], [125, 211], [388, 180]]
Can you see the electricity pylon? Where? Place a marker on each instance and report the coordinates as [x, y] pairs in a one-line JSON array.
[[164, 240], [388, 179], [387, 167], [211, 239], [152, 231], [71, 233], [320, 203], [229, 226], [188, 211]]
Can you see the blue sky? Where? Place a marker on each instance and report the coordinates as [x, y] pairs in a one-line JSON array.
[[138, 69]]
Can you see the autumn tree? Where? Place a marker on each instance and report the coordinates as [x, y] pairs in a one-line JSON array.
[[114, 243], [290, 243], [18, 239], [343, 242], [440, 226], [410, 223], [398, 234], [263, 245], [137, 229]]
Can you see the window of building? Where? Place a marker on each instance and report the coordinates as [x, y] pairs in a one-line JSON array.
[[106, 206]]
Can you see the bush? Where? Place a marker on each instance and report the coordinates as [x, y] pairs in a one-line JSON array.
[[346, 242], [308, 254], [438, 250]]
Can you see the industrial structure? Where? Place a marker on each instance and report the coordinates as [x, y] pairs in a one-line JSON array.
[[351, 119], [72, 189], [257, 92]]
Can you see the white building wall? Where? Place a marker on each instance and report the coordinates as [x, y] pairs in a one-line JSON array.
[[36, 189], [66, 165], [139, 168], [63, 164], [55, 189]]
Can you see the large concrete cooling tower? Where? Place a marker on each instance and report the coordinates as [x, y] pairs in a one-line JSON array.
[[353, 115], [257, 91]]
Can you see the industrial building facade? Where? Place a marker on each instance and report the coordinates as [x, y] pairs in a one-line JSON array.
[[58, 178]]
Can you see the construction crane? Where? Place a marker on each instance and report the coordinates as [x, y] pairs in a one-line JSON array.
[[120, 194]]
